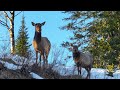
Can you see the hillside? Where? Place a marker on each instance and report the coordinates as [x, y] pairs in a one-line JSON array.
[[11, 70], [6, 73], [11, 67]]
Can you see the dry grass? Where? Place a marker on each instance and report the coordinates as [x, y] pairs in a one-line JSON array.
[[46, 73], [57, 58], [12, 74], [49, 73]]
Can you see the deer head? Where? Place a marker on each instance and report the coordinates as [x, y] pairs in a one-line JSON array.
[[38, 26], [74, 47]]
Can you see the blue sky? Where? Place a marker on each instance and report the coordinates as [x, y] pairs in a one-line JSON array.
[[50, 29]]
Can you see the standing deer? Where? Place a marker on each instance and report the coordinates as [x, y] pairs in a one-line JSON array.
[[41, 44], [84, 60]]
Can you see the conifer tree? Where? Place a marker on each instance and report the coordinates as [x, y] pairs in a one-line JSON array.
[[97, 31], [22, 44]]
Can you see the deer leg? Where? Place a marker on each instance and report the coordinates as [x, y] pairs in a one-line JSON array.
[[40, 60], [46, 60], [45, 57], [46, 63], [89, 74], [78, 69], [43, 60], [36, 56], [88, 71]]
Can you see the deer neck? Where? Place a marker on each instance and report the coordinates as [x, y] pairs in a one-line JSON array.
[[76, 55], [37, 37]]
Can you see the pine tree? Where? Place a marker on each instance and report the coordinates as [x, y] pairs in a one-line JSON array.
[[22, 44], [97, 31]]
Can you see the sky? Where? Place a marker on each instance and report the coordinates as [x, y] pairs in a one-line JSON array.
[[51, 29]]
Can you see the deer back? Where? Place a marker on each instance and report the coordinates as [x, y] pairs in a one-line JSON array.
[[85, 59]]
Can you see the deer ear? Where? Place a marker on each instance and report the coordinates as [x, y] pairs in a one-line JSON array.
[[43, 23], [33, 23]]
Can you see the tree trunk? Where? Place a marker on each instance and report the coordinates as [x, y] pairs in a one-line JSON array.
[[12, 40], [10, 16]]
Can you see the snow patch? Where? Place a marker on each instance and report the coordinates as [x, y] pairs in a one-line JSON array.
[[35, 76], [96, 73], [10, 66]]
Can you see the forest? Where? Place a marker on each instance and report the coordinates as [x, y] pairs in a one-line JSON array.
[[96, 32]]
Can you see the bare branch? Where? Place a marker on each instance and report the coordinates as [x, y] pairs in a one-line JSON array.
[[17, 13], [4, 24], [10, 12], [4, 20], [6, 15], [2, 17]]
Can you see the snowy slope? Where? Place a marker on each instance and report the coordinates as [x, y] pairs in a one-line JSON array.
[[19, 60], [96, 73], [14, 67]]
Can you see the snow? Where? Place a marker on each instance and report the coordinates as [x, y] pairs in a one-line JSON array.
[[10, 66], [35, 76], [14, 67], [19, 60], [96, 73]]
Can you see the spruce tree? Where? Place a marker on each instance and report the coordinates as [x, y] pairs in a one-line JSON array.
[[22, 44], [97, 31]]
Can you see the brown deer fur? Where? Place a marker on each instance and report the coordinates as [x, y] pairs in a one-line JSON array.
[[41, 44], [84, 60]]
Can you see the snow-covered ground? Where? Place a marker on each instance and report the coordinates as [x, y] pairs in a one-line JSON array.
[[96, 73], [10, 65], [19, 62], [35, 76]]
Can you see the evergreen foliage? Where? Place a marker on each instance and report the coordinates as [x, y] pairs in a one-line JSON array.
[[22, 44], [97, 32]]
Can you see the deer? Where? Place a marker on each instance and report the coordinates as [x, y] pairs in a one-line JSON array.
[[81, 59], [41, 44]]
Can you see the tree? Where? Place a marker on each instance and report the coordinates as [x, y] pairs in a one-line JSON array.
[[22, 44], [97, 31], [8, 16]]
